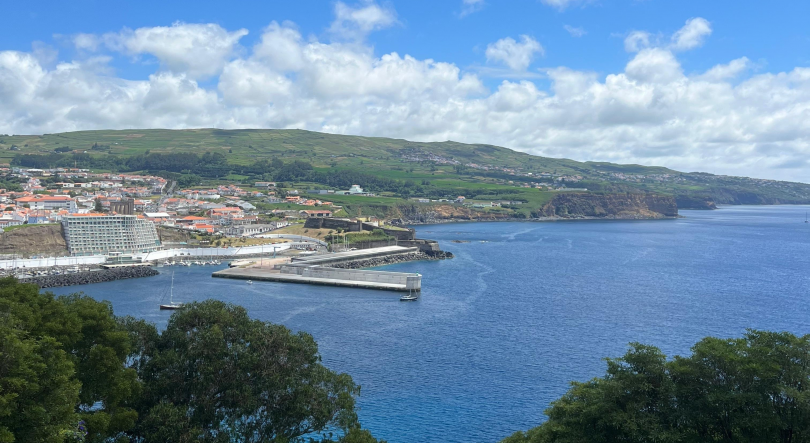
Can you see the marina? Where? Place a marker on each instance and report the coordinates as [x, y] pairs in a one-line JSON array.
[[319, 270]]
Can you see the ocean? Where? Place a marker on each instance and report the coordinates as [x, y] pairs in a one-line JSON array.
[[524, 309]]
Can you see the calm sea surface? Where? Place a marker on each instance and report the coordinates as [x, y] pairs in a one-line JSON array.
[[523, 309]]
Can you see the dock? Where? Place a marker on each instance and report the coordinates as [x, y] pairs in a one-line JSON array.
[[316, 270]]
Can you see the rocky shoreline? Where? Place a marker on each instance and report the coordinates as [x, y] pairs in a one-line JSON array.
[[533, 220], [85, 278], [393, 259]]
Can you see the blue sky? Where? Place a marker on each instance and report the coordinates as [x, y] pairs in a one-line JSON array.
[[706, 85], [774, 34]]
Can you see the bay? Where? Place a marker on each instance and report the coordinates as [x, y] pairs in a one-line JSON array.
[[522, 310]]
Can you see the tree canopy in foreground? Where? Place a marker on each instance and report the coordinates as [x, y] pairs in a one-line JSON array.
[[70, 371], [750, 389]]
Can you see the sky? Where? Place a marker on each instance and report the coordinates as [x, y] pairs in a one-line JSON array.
[[717, 86]]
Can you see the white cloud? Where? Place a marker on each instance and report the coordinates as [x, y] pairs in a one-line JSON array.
[[636, 41], [728, 71], [516, 55], [197, 50], [575, 31], [562, 4], [692, 35], [650, 112], [86, 42], [354, 23], [470, 6]]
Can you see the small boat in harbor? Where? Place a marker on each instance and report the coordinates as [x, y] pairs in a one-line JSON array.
[[409, 297], [250, 282], [172, 305]]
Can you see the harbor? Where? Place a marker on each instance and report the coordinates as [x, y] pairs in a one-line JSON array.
[[330, 270]]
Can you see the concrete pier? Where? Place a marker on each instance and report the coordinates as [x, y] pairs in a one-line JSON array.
[[315, 270]]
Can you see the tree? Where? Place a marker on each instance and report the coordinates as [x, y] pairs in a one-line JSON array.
[[95, 347], [98, 207], [751, 389], [276, 388], [37, 388], [71, 371]]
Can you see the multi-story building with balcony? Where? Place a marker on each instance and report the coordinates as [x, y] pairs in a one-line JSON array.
[[94, 234]]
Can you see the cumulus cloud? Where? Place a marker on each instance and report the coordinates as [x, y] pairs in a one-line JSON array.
[[516, 55], [575, 31], [636, 41], [727, 71], [649, 112], [355, 22], [197, 50], [692, 35], [470, 6]]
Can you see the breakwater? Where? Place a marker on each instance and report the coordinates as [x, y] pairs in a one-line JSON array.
[[341, 269], [391, 259], [88, 277]]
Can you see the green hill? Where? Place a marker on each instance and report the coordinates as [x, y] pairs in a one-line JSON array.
[[450, 165], [319, 148]]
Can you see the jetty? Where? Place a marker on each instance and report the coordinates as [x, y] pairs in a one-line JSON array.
[[330, 270]]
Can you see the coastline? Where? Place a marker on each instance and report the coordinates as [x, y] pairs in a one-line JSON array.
[[539, 220]]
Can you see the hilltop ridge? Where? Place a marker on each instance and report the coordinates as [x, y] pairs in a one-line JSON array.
[[408, 160]]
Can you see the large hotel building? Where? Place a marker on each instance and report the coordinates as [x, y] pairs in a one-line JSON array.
[[104, 234]]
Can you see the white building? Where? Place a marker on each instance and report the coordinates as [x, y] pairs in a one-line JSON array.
[[355, 189], [48, 202], [103, 234], [248, 230]]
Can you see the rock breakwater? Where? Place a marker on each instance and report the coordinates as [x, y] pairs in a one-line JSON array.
[[393, 259], [88, 277]]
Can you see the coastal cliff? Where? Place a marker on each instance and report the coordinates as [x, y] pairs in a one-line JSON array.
[[610, 206], [561, 206], [429, 214], [695, 202]]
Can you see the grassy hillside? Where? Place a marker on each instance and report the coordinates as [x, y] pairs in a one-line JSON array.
[[243, 145], [484, 171]]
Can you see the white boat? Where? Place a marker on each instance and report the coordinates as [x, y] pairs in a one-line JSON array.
[[409, 297], [172, 305], [250, 282]]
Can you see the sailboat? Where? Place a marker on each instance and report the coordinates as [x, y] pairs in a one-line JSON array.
[[172, 305]]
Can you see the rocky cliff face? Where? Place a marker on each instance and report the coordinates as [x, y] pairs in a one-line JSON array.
[[610, 206], [728, 196], [419, 214], [694, 202], [565, 205]]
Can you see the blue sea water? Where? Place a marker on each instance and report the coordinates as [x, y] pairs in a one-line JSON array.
[[522, 310]]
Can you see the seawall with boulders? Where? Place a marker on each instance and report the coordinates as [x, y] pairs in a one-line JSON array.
[[392, 259], [88, 277]]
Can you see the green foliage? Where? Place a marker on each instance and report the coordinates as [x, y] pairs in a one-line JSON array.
[[70, 371], [358, 237], [752, 389], [95, 346], [37, 388], [276, 388], [189, 180]]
